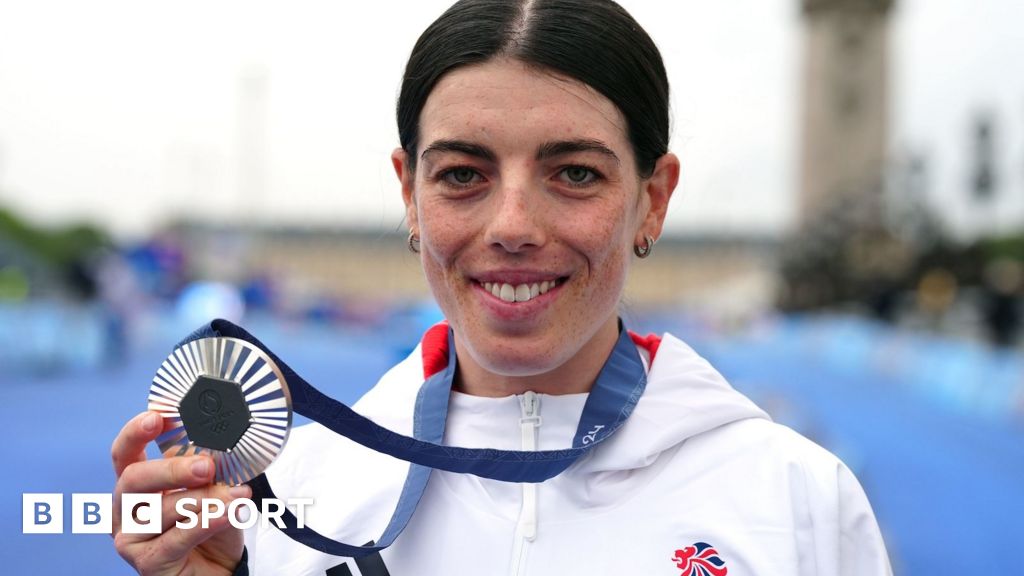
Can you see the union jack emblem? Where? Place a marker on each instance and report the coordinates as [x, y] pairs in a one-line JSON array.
[[701, 559]]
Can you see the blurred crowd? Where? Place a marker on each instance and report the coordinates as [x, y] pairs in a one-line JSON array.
[[73, 298], [77, 285]]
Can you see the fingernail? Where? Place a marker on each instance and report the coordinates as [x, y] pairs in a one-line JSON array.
[[201, 467], [150, 422], [241, 491]]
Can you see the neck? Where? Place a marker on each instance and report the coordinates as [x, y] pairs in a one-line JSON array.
[[573, 376]]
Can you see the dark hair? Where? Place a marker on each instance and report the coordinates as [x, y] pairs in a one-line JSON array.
[[594, 41]]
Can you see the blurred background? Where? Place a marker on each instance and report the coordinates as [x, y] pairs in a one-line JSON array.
[[846, 246]]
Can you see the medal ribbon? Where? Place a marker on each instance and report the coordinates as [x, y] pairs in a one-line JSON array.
[[611, 400]]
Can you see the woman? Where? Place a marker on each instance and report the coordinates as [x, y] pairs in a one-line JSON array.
[[534, 166]]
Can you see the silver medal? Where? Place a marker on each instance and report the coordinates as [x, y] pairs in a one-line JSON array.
[[224, 398]]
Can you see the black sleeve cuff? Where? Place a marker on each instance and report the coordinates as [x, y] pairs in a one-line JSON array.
[[243, 565]]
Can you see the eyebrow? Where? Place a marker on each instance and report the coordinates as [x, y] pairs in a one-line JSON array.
[[460, 146], [552, 149], [545, 151]]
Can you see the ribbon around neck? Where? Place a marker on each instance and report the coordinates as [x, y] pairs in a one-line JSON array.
[[612, 399]]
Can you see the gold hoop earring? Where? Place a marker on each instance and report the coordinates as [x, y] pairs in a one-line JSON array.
[[413, 243], [644, 250]]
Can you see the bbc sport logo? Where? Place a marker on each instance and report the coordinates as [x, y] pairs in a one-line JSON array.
[[143, 513]]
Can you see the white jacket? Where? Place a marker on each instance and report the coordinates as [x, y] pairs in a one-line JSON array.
[[697, 471]]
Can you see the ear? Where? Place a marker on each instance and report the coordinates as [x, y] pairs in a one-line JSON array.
[[658, 188], [400, 161]]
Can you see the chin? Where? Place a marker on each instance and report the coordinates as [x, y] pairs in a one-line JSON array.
[[510, 357]]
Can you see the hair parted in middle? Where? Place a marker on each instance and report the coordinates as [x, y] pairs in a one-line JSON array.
[[593, 41]]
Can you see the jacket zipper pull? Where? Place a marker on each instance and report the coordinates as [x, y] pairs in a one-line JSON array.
[[530, 421]]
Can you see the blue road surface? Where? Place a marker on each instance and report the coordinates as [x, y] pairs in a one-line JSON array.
[[934, 429]]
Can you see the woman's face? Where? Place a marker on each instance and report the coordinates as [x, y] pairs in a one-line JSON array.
[[527, 203]]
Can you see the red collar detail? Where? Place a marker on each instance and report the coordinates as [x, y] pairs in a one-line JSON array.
[[434, 347], [649, 343]]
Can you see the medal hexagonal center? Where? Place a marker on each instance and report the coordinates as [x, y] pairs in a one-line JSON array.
[[214, 413]]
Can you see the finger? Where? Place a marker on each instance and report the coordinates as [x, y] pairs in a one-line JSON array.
[[177, 542], [170, 516], [129, 446], [163, 553], [152, 476]]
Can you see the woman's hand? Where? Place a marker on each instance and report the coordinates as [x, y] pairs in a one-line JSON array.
[[213, 550]]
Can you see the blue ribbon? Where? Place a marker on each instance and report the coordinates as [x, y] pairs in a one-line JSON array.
[[611, 400]]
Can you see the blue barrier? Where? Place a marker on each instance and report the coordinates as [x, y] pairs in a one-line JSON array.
[[933, 427]]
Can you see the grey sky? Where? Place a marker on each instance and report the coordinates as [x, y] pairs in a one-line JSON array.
[[125, 112]]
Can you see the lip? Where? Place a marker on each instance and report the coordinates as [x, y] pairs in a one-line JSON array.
[[518, 311]]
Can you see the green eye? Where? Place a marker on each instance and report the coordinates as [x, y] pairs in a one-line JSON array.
[[578, 175], [463, 175]]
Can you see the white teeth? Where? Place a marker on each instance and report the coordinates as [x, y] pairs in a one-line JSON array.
[[520, 293], [508, 293]]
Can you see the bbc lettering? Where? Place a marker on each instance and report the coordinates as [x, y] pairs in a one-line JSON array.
[[142, 513], [42, 513], [90, 513]]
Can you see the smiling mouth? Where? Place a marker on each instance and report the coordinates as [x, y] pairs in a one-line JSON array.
[[520, 292]]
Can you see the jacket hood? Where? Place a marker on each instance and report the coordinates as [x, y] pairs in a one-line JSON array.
[[684, 397]]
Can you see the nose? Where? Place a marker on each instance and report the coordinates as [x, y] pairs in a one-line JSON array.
[[516, 224]]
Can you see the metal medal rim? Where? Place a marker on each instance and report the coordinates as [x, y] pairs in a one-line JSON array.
[[269, 426]]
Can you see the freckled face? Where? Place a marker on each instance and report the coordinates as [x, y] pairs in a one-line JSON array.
[[527, 203]]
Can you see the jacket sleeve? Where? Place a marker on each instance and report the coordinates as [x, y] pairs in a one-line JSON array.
[[847, 540], [861, 549]]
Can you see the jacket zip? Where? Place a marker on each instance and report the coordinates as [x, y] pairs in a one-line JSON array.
[[526, 529]]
